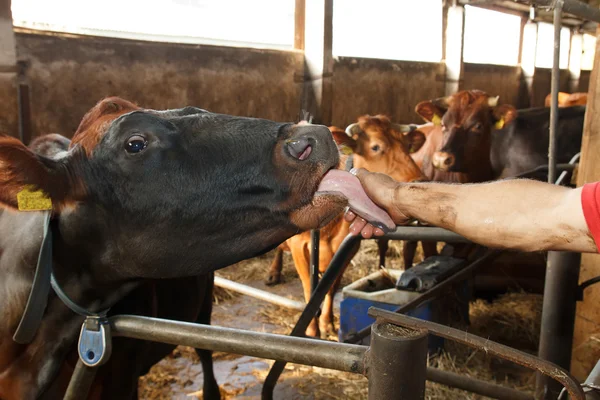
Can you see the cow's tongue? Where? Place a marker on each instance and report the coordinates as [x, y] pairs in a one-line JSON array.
[[348, 185]]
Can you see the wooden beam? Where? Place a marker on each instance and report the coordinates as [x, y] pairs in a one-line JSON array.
[[317, 95], [586, 350], [8, 55], [299, 24], [455, 24]]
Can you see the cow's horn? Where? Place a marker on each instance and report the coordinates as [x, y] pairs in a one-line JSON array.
[[402, 128], [353, 129], [493, 101]]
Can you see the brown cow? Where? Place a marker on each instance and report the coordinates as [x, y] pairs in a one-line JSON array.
[[568, 99], [378, 145], [466, 119]]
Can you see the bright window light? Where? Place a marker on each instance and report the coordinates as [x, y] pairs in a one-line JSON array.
[[388, 29], [589, 49], [262, 22], [545, 46], [491, 37]]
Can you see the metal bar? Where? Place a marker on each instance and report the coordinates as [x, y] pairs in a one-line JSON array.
[[397, 362], [319, 353], [563, 175], [475, 385], [81, 382], [591, 386], [558, 6], [433, 292], [334, 269], [259, 294], [574, 7], [427, 233], [493, 348], [24, 106], [558, 317], [315, 236]]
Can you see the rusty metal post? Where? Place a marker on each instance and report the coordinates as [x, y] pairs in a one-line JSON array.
[[558, 317], [397, 362]]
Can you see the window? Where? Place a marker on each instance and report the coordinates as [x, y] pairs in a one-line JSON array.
[[263, 22], [388, 29], [589, 49], [491, 37], [545, 46]]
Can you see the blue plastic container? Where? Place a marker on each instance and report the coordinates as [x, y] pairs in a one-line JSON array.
[[376, 290]]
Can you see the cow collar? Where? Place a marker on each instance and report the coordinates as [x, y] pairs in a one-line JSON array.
[[43, 279]]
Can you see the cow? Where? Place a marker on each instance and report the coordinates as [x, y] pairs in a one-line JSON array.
[[151, 195], [466, 119], [523, 144], [568, 99], [378, 145]]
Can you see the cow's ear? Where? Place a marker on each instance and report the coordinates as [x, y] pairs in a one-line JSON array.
[[29, 182], [431, 112], [503, 115], [345, 143], [415, 140]]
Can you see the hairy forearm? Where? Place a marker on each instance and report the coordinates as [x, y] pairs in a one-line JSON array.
[[519, 214]]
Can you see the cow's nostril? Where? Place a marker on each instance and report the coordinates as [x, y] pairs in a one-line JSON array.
[[299, 148], [449, 161]]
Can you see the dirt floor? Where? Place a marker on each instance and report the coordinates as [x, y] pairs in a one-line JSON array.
[[513, 319]]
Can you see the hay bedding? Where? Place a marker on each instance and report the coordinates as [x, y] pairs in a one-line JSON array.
[[513, 319]]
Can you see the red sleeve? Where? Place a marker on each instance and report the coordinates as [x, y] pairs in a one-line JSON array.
[[590, 202]]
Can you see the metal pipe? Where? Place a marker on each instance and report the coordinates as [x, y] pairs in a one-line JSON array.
[[475, 385], [319, 353], [558, 7], [259, 294], [591, 386], [315, 237], [490, 347], [81, 381], [574, 7], [563, 175], [24, 110], [558, 317], [340, 258], [433, 292], [397, 362], [427, 233]]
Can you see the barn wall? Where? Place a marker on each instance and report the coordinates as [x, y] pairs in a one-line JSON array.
[[496, 80], [68, 75], [584, 81], [542, 83], [394, 88]]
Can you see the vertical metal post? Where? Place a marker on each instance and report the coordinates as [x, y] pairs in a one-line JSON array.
[[558, 317], [340, 258], [24, 106], [81, 382], [554, 92], [315, 237], [391, 374]]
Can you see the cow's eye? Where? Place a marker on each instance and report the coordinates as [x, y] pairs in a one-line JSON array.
[[477, 126], [135, 144], [375, 147]]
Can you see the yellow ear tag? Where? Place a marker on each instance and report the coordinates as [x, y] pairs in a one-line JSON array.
[[346, 150], [499, 124], [436, 120], [29, 199]]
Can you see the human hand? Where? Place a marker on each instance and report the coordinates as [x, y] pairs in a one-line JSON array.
[[382, 190]]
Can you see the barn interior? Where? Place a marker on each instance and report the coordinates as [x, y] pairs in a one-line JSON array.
[[334, 61]]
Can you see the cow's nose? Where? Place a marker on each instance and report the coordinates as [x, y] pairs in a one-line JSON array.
[[442, 160], [300, 148]]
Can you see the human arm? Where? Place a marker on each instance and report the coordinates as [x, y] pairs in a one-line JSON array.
[[517, 214]]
